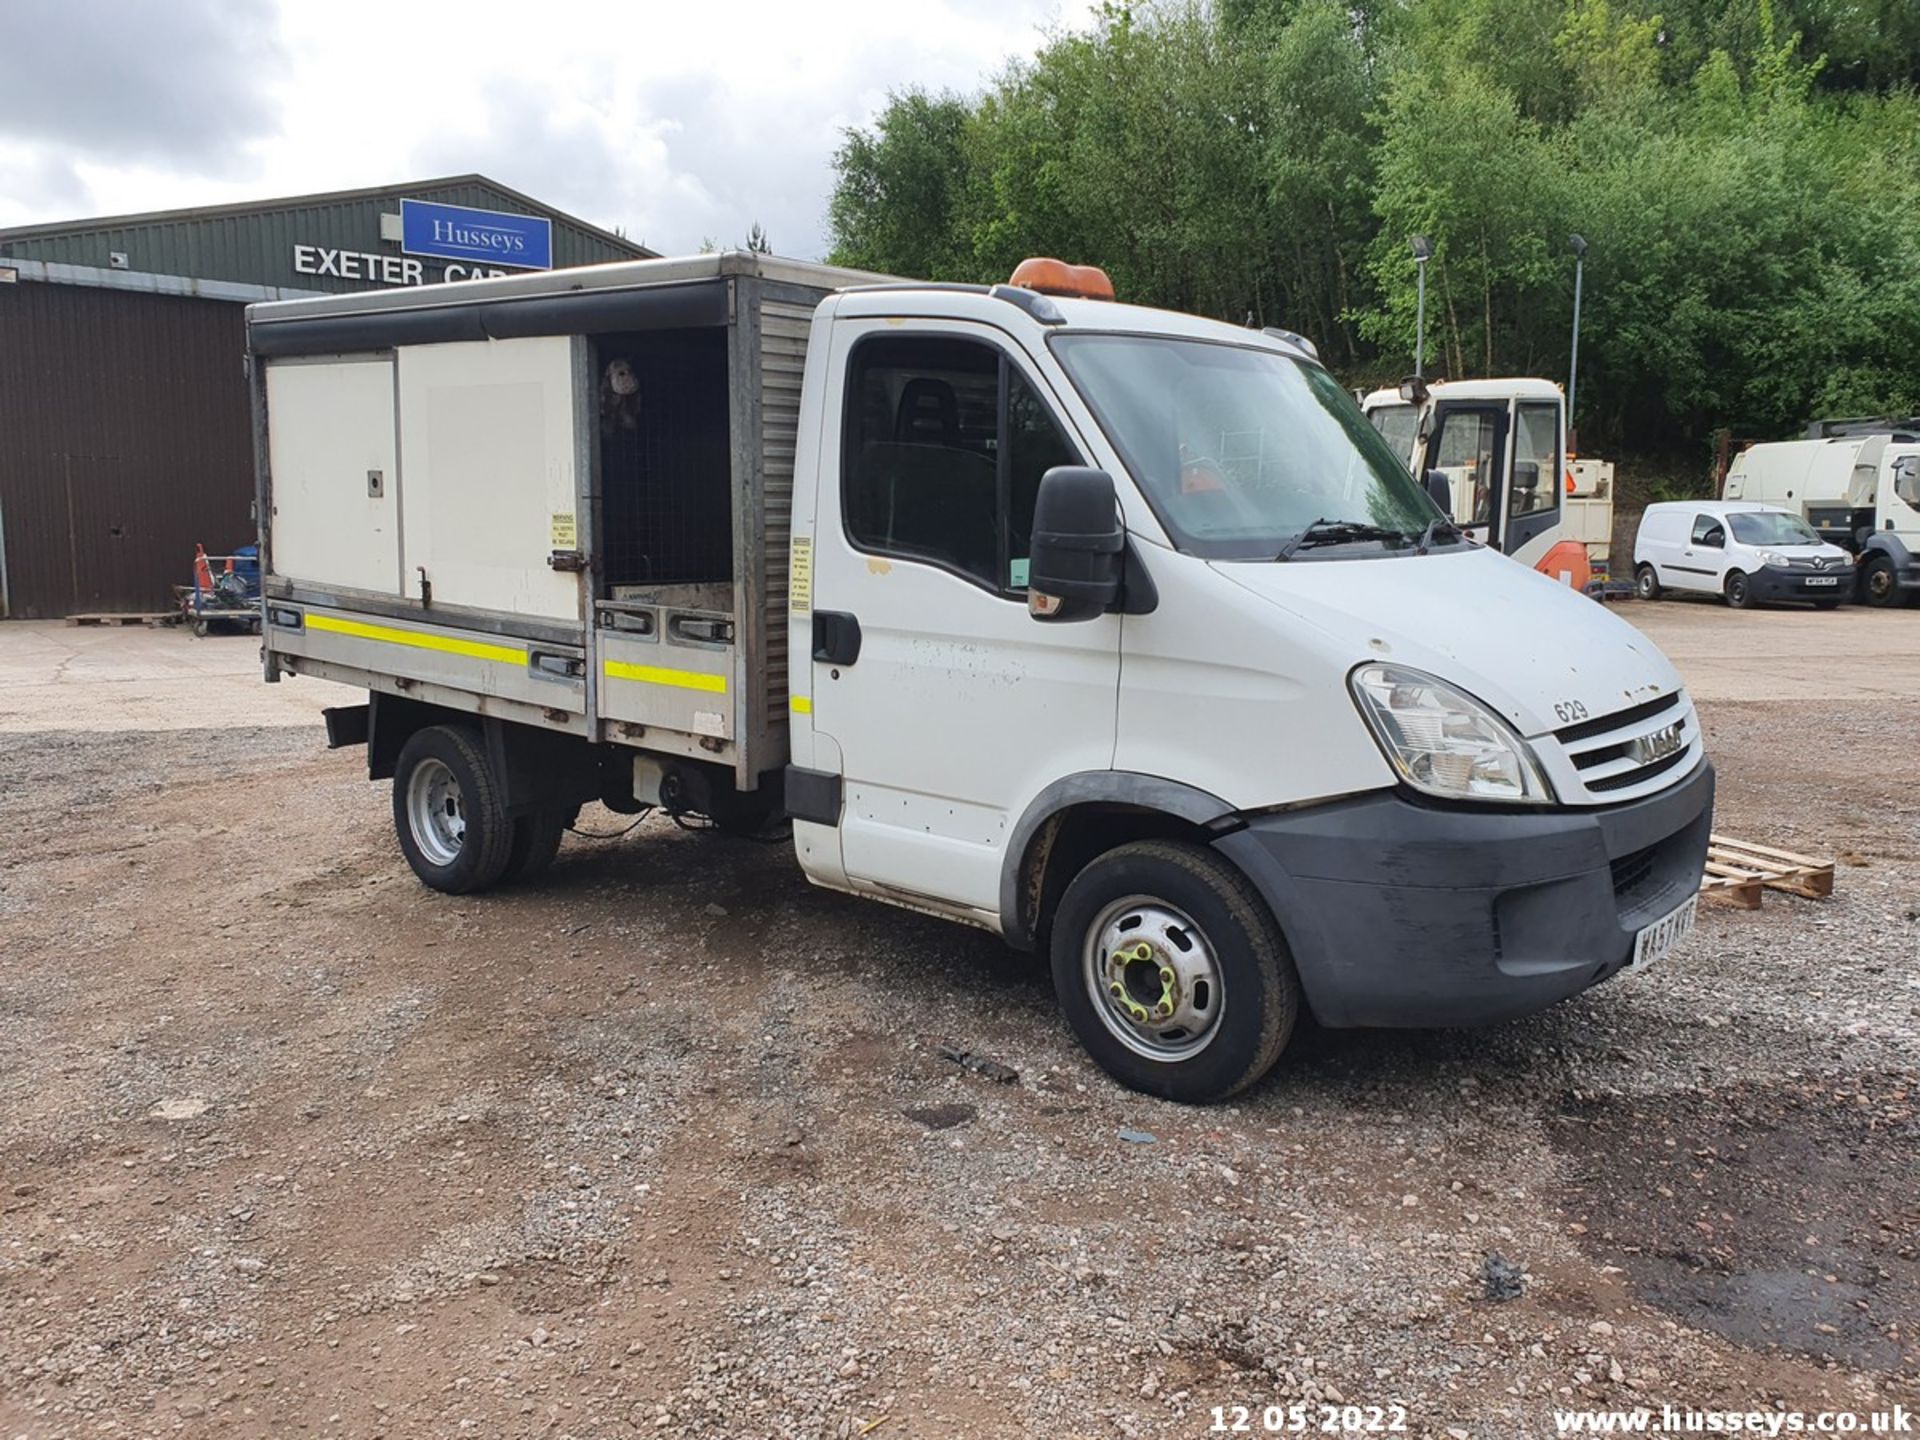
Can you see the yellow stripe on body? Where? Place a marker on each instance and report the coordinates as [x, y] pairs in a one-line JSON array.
[[418, 639], [660, 675], [801, 705]]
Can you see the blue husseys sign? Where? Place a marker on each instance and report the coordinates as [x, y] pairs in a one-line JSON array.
[[490, 237]]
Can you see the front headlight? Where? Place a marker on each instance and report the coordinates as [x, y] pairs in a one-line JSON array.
[[1445, 742], [1773, 557]]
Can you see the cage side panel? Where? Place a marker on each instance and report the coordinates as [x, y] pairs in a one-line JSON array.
[[784, 328]]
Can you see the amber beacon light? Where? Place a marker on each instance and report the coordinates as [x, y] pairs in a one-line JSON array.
[[1055, 277]]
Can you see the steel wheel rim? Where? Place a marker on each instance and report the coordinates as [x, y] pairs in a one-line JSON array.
[[1171, 996], [1879, 582], [1737, 591], [436, 811]]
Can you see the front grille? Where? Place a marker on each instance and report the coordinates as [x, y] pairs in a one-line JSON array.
[[1642, 775], [1631, 871], [1619, 720], [1617, 754]]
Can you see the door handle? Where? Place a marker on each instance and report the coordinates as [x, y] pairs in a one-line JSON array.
[[836, 637]]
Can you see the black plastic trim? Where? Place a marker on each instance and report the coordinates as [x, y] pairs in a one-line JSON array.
[[347, 725], [685, 305], [813, 795], [1092, 787]]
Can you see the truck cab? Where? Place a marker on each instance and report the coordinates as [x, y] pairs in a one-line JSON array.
[[1493, 454], [1116, 632]]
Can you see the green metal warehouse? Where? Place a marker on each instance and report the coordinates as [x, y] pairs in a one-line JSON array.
[[125, 437]]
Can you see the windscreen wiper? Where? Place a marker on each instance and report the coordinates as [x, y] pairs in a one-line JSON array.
[[1435, 528], [1338, 532]]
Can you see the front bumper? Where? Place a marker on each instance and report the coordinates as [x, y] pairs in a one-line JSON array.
[[1402, 914], [1771, 582]]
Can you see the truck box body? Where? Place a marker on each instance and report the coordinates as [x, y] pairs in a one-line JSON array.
[[457, 505]]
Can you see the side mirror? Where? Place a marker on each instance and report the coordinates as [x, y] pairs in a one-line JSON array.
[[1414, 390], [1079, 545], [1441, 489]]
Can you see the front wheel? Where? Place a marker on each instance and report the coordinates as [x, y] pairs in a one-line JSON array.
[[1880, 581], [448, 811], [1646, 584], [1739, 591], [1172, 972]]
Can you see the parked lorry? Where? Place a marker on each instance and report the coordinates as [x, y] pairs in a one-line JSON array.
[[1116, 632], [1858, 487], [1493, 453]]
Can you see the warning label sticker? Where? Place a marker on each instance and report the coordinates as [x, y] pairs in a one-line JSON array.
[[566, 535], [800, 575]]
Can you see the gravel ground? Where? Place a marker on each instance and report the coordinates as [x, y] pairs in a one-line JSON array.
[[666, 1144]]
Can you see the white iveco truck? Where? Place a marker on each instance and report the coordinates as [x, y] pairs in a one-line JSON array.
[[1117, 632]]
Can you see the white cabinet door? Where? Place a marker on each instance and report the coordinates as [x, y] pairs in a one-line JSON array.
[[488, 467], [336, 520], [957, 707]]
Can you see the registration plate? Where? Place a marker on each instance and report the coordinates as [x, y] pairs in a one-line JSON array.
[[1823, 580], [1661, 938]]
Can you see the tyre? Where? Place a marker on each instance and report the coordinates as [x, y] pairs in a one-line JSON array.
[[1646, 584], [447, 811], [536, 840], [1739, 590], [1879, 581], [1172, 973], [200, 629]]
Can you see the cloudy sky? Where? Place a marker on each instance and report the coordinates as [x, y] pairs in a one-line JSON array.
[[676, 122]]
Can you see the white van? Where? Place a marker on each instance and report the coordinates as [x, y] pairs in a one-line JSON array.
[[1748, 553], [1116, 632]]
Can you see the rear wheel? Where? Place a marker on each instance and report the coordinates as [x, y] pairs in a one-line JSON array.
[[1172, 973], [536, 840], [447, 811], [1739, 590], [1879, 581], [1646, 584]]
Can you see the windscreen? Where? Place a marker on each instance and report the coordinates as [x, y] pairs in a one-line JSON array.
[[1771, 527], [1241, 450]]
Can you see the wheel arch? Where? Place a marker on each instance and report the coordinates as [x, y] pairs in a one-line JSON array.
[[1079, 817]]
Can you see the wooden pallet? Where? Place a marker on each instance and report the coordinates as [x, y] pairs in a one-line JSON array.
[[144, 617], [1740, 872]]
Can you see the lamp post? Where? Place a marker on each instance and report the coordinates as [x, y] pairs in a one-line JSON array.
[[1579, 247], [1422, 252]]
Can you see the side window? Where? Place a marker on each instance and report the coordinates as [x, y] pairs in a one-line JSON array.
[[945, 446], [1536, 461], [1397, 425], [1707, 530], [1467, 451]]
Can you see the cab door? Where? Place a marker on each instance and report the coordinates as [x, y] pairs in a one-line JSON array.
[[1536, 483], [1467, 443], [945, 706]]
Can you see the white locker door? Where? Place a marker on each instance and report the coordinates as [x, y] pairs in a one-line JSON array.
[[487, 452], [335, 521]]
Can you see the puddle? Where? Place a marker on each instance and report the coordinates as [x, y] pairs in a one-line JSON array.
[[1785, 1215]]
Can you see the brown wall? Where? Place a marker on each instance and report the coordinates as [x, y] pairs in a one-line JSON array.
[[124, 439]]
